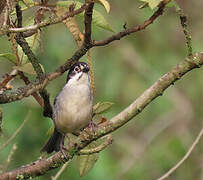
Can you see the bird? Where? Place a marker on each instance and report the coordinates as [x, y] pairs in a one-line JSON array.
[[73, 107]]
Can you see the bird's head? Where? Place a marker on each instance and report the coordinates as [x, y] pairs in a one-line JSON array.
[[78, 72]]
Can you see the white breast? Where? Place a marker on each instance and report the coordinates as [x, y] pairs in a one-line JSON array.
[[73, 106]]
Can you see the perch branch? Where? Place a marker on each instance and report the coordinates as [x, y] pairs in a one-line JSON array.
[[40, 167]]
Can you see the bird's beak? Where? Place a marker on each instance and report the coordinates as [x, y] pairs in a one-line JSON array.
[[86, 69]]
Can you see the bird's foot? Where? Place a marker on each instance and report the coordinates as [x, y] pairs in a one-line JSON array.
[[64, 154], [91, 127], [62, 148]]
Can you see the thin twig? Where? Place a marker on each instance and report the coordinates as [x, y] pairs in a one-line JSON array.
[[183, 20], [134, 29], [47, 23], [16, 132], [1, 117], [15, 50], [34, 94], [91, 72], [184, 158], [99, 148], [13, 149], [60, 171], [5, 83]]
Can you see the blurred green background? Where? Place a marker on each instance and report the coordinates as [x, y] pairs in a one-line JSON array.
[[154, 141]]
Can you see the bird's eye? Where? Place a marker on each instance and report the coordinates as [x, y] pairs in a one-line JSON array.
[[76, 69]]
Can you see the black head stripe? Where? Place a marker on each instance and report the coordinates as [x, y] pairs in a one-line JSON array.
[[71, 72]]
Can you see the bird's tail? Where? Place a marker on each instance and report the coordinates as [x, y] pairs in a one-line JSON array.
[[54, 143]]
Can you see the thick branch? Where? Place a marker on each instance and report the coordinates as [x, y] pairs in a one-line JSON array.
[[157, 89], [42, 166]]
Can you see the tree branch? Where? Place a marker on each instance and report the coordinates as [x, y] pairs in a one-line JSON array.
[[40, 167], [183, 21], [31, 56], [88, 22], [45, 23], [47, 112], [134, 29], [99, 148], [35, 94]]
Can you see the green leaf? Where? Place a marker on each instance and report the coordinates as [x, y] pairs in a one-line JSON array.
[[27, 68], [28, 3], [100, 21], [9, 57], [102, 107], [105, 3], [97, 18], [86, 162], [152, 3]]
